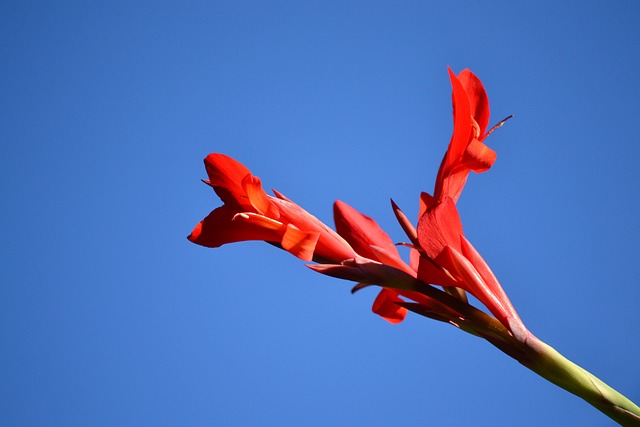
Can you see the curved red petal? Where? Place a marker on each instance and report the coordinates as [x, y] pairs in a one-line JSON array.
[[439, 227], [461, 120], [300, 243], [470, 253], [219, 228], [472, 281], [361, 231], [427, 201], [385, 306], [478, 157], [225, 176], [478, 99], [259, 200], [462, 127], [431, 273], [330, 246]]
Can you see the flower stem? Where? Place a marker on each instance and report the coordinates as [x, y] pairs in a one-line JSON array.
[[551, 365]]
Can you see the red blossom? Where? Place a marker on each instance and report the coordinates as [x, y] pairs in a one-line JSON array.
[[249, 213], [446, 256], [360, 250], [466, 150], [370, 241]]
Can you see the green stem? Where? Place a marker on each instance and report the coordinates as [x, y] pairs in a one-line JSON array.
[[532, 353], [548, 363]]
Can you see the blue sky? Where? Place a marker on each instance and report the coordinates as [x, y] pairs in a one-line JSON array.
[[110, 317]]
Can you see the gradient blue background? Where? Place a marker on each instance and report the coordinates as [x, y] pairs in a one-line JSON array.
[[110, 317]]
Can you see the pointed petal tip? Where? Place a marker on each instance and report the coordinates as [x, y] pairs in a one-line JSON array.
[[195, 233], [280, 196]]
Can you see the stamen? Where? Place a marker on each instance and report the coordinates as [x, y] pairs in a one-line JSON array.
[[499, 124], [476, 127]]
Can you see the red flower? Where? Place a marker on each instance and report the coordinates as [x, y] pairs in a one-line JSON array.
[[466, 150], [442, 243], [361, 250], [370, 241], [446, 256], [249, 213]]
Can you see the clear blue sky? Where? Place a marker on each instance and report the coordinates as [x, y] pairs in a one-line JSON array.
[[110, 317]]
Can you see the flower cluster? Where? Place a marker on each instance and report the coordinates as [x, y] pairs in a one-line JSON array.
[[443, 265], [359, 250]]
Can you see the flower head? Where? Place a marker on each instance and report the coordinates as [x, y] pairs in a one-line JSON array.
[[396, 277], [365, 235], [446, 256], [466, 150], [249, 213]]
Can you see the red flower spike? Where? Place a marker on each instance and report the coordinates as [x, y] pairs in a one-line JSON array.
[[249, 213], [449, 260], [440, 253]]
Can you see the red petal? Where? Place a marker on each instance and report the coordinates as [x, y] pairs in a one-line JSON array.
[[478, 99], [427, 201], [386, 307], [470, 253], [391, 258], [472, 281], [478, 157], [219, 228], [461, 134], [258, 199], [440, 227], [279, 195], [469, 99], [225, 176], [300, 243], [362, 232], [461, 119], [431, 273], [330, 245]]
